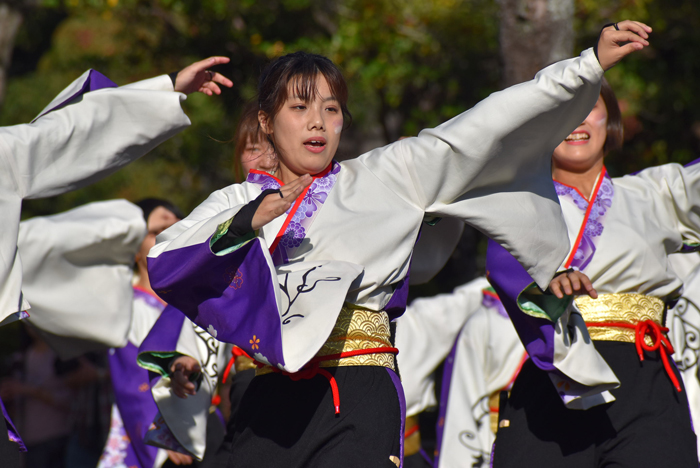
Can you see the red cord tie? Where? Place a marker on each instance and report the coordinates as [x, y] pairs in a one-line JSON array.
[[659, 341], [411, 431], [310, 370]]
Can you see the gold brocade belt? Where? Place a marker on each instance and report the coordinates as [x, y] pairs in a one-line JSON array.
[[620, 308], [360, 337], [356, 330], [629, 318]]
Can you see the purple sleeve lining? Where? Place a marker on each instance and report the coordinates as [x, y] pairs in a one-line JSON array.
[[94, 81], [510, 279], [232, 296]]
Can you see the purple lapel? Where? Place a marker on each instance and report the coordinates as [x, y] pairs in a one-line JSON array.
[[594, 216], [302, 214]]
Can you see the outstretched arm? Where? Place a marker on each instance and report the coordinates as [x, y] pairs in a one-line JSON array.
[[491, 165]]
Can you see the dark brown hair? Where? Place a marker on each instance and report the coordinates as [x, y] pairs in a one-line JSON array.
[[299, 70], [247, 130], [615, 130]]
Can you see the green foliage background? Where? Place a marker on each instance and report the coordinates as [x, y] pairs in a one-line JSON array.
[[410, 64]]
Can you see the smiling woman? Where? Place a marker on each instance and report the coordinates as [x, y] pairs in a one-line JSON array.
[[622, 231], [581, 153], [322, 252]]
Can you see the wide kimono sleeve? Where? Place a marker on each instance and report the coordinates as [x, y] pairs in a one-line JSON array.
[[278, 314], [425, 334], [181, 423], [673, 192], [491, 165], [553, 333], [77, 270], [83, 136], [90, 130]]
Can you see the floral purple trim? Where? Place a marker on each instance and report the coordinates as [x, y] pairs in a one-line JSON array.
[[594, 226], [306, 213], [264, 180]]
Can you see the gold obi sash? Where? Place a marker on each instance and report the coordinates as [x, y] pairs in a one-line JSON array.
[[630, 318], [629, 309], [356, 333]]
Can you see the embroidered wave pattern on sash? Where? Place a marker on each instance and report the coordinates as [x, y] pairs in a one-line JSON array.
[[305, 212], [358, 329], [602, 201]]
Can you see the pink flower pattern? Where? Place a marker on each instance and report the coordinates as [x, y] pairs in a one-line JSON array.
[[114, 453]]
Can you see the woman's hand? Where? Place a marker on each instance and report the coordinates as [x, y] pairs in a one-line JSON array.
[[572, 282], [179, 458], [616, 43], [181, 369], [275, 205], [197, 77]]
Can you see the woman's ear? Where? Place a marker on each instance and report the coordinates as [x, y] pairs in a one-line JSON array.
[[264, 124]]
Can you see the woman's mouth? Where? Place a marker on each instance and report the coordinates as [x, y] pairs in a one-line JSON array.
[[578, 138], [315, 144]]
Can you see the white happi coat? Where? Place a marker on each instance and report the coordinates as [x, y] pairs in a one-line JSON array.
[[651, 215], [489, 166], [683, 321], [73, 146], [487, 357], [426, 333]]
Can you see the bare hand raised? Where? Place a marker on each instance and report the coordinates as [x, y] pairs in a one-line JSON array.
[[197, 77], [181, 370], [275, 205], [572, 282], [621, 39], [179, 458]]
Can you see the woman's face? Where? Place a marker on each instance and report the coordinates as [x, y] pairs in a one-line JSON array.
[[306, 134], [259, 155], [159, 220], [583, 148]]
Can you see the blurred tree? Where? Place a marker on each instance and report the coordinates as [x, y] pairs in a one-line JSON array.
[[533, 34], [10, 21], [410, 64]]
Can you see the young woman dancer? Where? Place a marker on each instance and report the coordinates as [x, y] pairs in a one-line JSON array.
[[311, 294], [174, 342], [630, 407]]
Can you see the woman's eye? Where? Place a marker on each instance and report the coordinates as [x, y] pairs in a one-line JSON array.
[[299, 107], [332, 109]]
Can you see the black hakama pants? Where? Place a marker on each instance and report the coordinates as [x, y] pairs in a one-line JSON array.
[[292, 424], [647, 426]]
